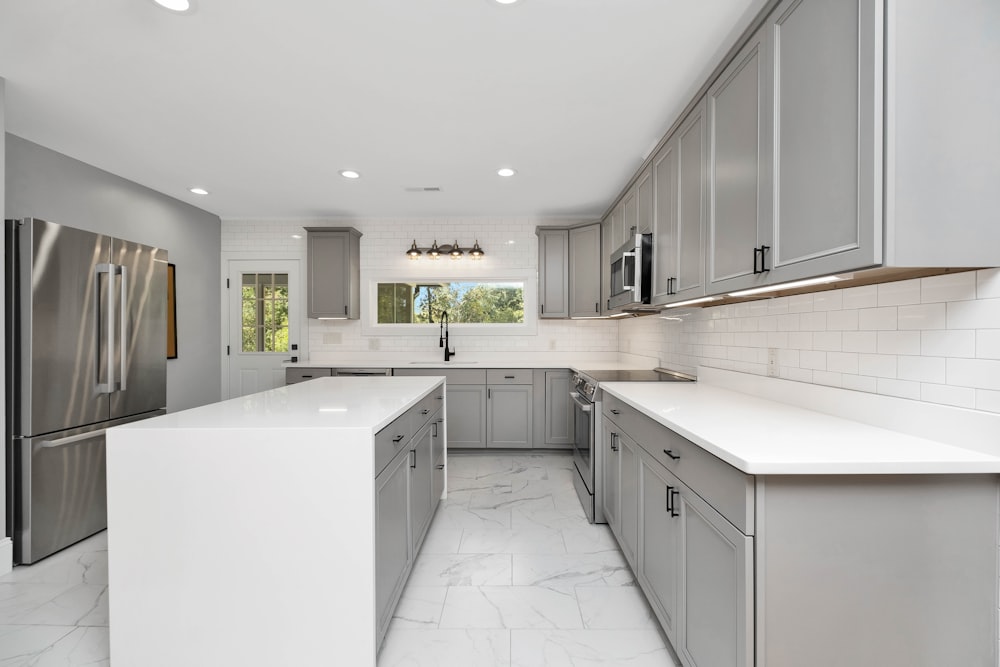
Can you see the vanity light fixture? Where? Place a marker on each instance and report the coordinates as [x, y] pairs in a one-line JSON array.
[[350, 173], [823, 280], [198, 191], [691, 302], [435, 251]]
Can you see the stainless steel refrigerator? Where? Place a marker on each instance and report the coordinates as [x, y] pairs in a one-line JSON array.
[[86, 350]]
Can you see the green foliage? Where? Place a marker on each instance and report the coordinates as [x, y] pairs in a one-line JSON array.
[[264, 313], [467, 302]]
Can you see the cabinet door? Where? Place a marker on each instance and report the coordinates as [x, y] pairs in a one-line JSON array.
[[689, 230], [585, 271], [466, 415], [664, 220], [553, 273], [333, 272], [607, 246], [630, 215], [738, 196], [644, 203], [824, 210], [659, 543], [618, 232], [559, 424], [392, 545], [628, 485], [421, 485], [437, 457], [508, 415], [716, 617], [610, 470]]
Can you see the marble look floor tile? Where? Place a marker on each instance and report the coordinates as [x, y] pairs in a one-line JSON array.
[[509, 607], [522, 519], [20, 643], [83, 604], [461, 570], [18, 600], [532, 541], [67, 567], [565, 573], [441, 539], [445, 648], [615, 608], [589, 648], [419, 607], [589, 538], [88, 647], [526, 498], [471, 518]]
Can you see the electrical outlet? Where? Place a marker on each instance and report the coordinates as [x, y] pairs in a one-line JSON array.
[[772, 362]]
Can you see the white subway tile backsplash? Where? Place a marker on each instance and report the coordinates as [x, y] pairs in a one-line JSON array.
[[962, 397], [921, 369], [979, 314], [842, 320], [948, 287], [812, 321], [899, 293], [877, 319], [926, 316], [988, 400], [900, 388], [800, 340], [859, 383], [812, 359], [843, 362], [800, 303], [976, 373], [830, 341], [988, 284], [827, 378], [898, 342], [829, 300], [877, 365], [865, 296], [957, 343], [860, 341], [988, 344]]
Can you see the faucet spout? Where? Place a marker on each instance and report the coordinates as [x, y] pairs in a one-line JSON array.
[[443, 340]]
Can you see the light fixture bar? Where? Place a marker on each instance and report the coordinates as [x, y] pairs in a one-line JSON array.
[[823, 280], [435, 251]]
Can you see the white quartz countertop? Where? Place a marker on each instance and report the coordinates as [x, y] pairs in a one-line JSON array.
[[575, 364], [335, 403], [765, 437]]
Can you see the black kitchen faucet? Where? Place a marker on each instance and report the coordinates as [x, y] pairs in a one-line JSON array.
[[443, 339]]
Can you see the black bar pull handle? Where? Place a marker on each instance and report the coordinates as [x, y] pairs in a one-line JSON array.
[[614, 441], [398, 438], [756, 263], [670, 453], [670, 496], [615, 412], [763, 258], [673, 493]]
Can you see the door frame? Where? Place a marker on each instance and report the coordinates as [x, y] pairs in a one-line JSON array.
[[224, 292]]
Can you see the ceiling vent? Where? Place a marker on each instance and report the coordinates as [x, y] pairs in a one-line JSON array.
[[427, 188]]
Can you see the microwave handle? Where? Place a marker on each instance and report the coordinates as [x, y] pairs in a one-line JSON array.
[[625, 260]]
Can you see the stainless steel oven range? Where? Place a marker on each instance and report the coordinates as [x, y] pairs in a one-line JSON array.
[[586, 396]]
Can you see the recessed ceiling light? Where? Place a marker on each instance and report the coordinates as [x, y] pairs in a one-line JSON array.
[[350, 173], [198, 191], [505, 2], [174, 5], [506, 172], [296, 236]]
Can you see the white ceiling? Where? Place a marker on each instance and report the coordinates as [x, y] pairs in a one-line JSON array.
[[262, 103]]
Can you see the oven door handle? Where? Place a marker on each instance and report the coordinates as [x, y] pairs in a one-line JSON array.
[[583, 405]]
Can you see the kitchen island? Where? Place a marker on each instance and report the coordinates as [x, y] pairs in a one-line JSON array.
[[327, 486]]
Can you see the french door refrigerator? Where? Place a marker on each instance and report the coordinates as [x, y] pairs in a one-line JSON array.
[[86, 350]]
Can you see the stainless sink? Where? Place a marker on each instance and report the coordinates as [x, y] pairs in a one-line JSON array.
[[443, 363]]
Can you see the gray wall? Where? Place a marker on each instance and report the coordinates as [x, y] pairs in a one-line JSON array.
[[44, 184]]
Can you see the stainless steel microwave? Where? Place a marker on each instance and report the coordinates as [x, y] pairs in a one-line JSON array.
[[631, 273]]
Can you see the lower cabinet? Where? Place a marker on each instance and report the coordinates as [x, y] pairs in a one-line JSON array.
[[610, 475], [407, 491], [660, 547], [508, 416], [629, 497], [466, 415]]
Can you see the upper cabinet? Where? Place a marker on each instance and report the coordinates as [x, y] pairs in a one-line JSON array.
[[334, 272], [585, 271], [553, 273], [679, 183], [828, 143]]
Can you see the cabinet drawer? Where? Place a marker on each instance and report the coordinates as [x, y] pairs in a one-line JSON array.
[[452, 375], [393, 438], [728, 490], [293, 375], [426, 407], [508, 376]]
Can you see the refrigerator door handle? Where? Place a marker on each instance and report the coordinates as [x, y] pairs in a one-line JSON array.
[[123, 340], [108, 340], [69, 440]]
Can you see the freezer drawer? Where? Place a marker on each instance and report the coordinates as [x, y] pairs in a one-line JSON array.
[[60, 489]]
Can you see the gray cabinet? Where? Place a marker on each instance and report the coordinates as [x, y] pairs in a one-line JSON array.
[[295, 374], [333, 269], [585, 270], [509, 408], [610, 475], [738, 184], [467, 415], [680, 179], [437, 455], [392, 546], [628, 499], [559, 424], [643, 203], [422, 499], [716, 576], [825, 106], [660, 544], [553, 273]]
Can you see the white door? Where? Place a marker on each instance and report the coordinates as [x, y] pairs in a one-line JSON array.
[[264, 312]]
